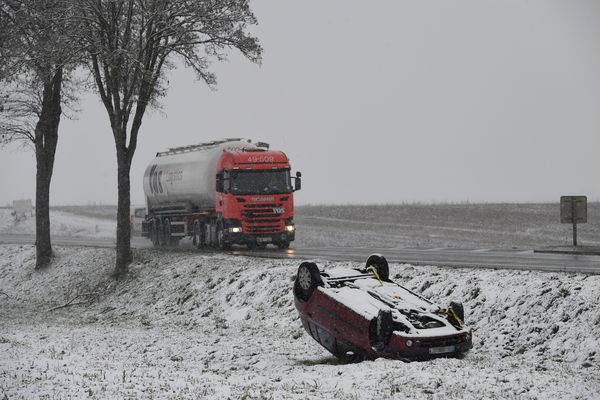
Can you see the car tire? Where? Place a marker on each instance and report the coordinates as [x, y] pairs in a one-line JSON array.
[[307, 280], [384, 326], [380, 264], [458, 309]]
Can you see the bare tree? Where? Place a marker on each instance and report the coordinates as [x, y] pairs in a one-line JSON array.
[[131, 45], [35, 57]]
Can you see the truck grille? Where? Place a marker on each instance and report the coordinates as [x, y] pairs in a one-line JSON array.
[[262, 219]]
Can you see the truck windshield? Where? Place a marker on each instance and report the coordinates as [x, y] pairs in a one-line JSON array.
[[260, 182]]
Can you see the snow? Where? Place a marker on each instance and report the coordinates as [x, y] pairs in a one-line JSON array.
[[61, 224], [192, 325]]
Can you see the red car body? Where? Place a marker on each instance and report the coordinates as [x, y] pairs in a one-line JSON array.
[[357, 314]]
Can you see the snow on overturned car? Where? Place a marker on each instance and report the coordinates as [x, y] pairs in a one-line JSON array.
[[361, 314]]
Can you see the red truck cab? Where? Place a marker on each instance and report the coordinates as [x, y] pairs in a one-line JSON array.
[[255, 197]]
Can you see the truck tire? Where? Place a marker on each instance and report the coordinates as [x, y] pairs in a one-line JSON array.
[[221, 244], [198, 235], [161, 233], [167, 230], [380, 265], [307, 280], [154, 233], [283, 245]]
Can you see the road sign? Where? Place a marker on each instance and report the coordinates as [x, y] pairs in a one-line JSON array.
[[573, 210], [22, 207]]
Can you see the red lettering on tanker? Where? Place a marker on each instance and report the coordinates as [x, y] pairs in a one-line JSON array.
[[261, 159], [174, 176]]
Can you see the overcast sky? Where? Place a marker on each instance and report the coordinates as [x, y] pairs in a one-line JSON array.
[[377, 102]]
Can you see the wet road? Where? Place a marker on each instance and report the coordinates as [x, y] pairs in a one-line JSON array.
[[476, 258]]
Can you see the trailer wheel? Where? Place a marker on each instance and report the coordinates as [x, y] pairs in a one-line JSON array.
[[380, 265], [307, 280], [167, 229], [161, 233], [195, 234], [155, 233], [198, 235]]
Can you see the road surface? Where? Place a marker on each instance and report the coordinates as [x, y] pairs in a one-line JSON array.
[[475, 258]]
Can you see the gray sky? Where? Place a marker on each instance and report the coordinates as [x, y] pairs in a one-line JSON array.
[[378, 102]]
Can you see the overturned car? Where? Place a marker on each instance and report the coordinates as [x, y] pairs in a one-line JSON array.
[[361, 314]]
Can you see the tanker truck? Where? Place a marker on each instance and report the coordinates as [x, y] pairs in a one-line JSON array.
[[220, 193]]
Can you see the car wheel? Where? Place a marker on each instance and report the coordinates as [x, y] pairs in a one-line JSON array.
[[458, 309], [384, 326], [307, 280], [380, 265]]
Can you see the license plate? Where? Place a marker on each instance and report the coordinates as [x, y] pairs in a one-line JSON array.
[[442, 350], [263, 240]]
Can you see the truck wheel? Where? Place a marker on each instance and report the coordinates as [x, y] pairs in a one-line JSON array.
[[307, 280], [283, 245], [380, 265], [221, 244], [195, 234], [155, 233], [161, 233], [198, 235], [167, 230]]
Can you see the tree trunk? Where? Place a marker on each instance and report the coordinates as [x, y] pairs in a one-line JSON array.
[[42, 215], [46, 139], [123, 211]]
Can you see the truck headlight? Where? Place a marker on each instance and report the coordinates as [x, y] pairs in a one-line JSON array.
[[290, 228], [235, 229]]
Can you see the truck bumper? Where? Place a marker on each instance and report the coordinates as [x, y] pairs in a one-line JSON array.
[[274, 238]]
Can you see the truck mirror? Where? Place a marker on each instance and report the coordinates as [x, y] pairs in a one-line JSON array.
[[298, 184], [298, 174]]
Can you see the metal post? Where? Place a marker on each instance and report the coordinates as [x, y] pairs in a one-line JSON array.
[[574, 222]]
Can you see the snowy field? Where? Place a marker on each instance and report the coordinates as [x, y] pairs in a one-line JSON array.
[[62, 223], [470, 226], [189, 326], [467, 226]]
